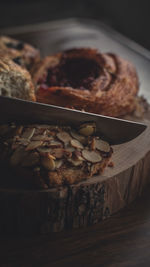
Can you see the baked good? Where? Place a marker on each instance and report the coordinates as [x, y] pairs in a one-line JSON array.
[[15, 81], [21, 53], [43, 156], [88, 80]]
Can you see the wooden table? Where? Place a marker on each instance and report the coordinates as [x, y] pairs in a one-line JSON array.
[[123, 239]]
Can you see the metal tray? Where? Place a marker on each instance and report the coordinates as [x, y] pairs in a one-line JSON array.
[[58, 35]]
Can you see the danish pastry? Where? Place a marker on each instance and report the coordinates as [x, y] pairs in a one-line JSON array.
[[21, 53], [88, 80]]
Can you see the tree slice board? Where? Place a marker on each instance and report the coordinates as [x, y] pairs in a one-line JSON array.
[[81, 204]]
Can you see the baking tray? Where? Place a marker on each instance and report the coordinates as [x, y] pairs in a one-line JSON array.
[[59, 35]]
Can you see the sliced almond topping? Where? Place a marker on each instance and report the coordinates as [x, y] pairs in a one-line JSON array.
[[78, 155], [64, 137], [79, 137], [31, 159], [91, 156], [93, 144], [102, 145], [75, 143], [75, 162], [29, 132], [42, 137], [58, 163], [19, 130], [87, 129], [44, 149], [55, 144], [58, 153], [48, 163], [33, 145], [69, 149], [23, 141]]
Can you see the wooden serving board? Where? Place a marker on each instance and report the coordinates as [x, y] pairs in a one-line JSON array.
[[81, 204], [95, 199]]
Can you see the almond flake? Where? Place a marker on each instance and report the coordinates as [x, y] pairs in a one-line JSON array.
[[44, 149], [79, 137], [75, 143], [58, 153], [42, 137], [58, 163], [55, 144], [64, 137], [91, 156], [75, 162], [87, 129], [102, 145], [28, 133], [48, 163], [33, 145], [69, 149]]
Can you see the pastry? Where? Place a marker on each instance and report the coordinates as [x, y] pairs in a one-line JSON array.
[[43, 156], [88, 80], [15, 81], [21, 53]]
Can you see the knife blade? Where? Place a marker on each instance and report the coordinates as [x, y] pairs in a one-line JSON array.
[[115, 131]]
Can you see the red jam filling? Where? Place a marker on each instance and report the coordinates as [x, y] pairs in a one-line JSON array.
[[77, 73]]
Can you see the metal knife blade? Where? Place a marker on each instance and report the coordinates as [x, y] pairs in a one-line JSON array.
[[114, 130]]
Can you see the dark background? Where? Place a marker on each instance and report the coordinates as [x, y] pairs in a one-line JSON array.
[[129, 17]]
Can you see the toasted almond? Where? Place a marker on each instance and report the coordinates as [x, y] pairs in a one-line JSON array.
[[22, 141], [44, 149], [58, 152], [31, 159], [78, 155], [69, 149], [87, 129], [91, 156], [28, 133], [93, 144], [102, 145], [48, 163], [75, 162], [58, 163], [64, 137], [33, 145], [79, 137], [41, 137], [75, 143], [19, 130], [55, 144], [17, 156]]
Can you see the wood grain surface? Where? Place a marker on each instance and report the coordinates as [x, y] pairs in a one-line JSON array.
[[121, 240], [84, 203]]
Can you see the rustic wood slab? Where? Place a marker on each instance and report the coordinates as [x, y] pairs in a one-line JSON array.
[[82, 204], [91, 201]]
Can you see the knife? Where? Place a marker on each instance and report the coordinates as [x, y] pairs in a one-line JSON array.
[[115, 131]]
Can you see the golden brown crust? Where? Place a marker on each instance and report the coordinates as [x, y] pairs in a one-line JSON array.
[[15, 81], [45, 156], [21, 53], [109, 89]]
